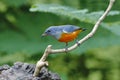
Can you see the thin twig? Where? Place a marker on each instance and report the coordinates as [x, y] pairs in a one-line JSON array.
[[42, 62]]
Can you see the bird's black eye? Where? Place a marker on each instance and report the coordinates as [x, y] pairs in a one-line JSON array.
[[48, 31]]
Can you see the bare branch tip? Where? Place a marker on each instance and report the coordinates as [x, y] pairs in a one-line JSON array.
[[46, 63], [49, 46]]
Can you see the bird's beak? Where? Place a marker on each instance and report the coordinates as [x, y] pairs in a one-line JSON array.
[[44, 34]]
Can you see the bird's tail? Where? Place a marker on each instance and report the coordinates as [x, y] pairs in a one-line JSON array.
[[83, 29]]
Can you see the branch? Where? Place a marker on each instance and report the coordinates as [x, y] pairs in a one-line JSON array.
[[49, 49]]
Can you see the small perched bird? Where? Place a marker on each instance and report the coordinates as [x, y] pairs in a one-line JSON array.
[[63, 33]]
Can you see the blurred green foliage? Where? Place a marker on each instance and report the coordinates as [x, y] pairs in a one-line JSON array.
[[96, 59]]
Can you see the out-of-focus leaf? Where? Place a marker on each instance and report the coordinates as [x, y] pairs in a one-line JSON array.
[[14, 3], [81, 15], [3, 7], [113, 27], [25, 33]]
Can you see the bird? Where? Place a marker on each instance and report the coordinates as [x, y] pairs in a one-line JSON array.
[[63, 33]]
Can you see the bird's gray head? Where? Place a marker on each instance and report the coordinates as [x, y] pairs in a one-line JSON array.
[[52, 31]]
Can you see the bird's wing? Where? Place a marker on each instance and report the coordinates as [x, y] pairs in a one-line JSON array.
[[69, 28]]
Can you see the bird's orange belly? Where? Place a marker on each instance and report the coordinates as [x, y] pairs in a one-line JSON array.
[[67, 37]]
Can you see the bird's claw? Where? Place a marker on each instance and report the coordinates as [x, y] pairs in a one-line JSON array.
[[66, 50], [77, 42]]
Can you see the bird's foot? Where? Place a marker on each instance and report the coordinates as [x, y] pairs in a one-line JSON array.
[[77, 42], [66, 50]]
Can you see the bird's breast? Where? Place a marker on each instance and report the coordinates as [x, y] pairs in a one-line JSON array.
[[67, 37]]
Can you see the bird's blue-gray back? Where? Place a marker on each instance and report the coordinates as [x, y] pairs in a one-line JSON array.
[[68, 28]]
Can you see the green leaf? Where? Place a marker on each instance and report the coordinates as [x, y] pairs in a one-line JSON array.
[[113, 27], [81, 15], [14, 3], [23, 35]]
